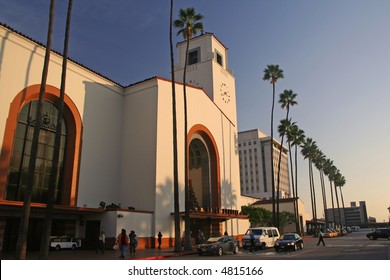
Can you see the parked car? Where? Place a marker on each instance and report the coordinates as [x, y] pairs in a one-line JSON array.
[[329, 233], [219, 246], [264, 237], [64, 242], [289, 241], [379, 233], [355, 228]]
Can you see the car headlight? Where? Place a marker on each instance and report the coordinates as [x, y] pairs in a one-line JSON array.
[[291, 244]]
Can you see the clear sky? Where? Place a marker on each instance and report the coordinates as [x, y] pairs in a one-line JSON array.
[[335, 55]]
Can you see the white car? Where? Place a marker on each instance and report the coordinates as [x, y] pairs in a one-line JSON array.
[[64, 242]]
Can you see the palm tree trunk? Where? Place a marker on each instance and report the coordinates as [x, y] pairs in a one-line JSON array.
[[278, 178], [333, 210], [338, 205], [274, 223], [187, 239], [293, 189], [342, 202], [46, 231], [296, 189], [311, 195], [177, 246], [21, 245], [323, 195]]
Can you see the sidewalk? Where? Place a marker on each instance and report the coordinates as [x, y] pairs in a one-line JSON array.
[[141, 254]]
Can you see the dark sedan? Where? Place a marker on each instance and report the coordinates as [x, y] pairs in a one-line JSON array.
[[379, 233], [289, 241], [219, 246]]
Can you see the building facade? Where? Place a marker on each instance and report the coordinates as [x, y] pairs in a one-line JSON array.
[[355, 215], [116, 154], [255, 165]]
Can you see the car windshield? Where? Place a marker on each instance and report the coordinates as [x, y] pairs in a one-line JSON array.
[[288, 237], [255, 231], [213, 239]]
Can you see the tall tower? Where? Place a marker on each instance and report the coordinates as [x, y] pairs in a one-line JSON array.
[[208, 69]]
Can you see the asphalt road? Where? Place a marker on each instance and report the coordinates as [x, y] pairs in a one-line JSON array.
[[354, 246]]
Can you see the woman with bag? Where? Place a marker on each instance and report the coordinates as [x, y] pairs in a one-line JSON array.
[[123, 243]]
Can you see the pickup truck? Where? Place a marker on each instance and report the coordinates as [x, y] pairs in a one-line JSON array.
[[64, 242]]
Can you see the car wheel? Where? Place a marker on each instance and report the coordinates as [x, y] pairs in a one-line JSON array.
[[295, 247], [262, 246], [276, 249], [73, 247], [58, 247], [301, 247], [371, 237], [236, 249], [388, 237], [220, 252]]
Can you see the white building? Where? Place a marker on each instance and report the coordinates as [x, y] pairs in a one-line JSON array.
[[255, 166], [117, 146]]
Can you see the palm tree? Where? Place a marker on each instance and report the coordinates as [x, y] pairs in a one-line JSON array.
[[297, 138], [188, 24], [309, 149], [177, 246], [341, 182], [286, 100], [272, 74], [46, 231], [319, 164], [336, 181], [21, 244], [328, 170]]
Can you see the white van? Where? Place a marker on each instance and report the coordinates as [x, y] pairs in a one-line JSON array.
[[264, 237]]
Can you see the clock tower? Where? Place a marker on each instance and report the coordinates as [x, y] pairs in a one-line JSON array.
[[208, 69]]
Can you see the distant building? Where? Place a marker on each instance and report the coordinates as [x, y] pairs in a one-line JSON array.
[[350, 216], [255, 165]]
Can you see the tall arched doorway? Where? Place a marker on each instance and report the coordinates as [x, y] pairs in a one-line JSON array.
[[204, 178]]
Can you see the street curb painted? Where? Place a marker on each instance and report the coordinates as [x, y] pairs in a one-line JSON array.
[[167, 256]]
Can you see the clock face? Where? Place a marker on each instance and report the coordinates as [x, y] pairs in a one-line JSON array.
[[225, 93]]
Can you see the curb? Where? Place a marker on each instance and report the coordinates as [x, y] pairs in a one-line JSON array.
[[167, 256]]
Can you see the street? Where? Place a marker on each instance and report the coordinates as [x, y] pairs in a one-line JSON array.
[[354, 246]]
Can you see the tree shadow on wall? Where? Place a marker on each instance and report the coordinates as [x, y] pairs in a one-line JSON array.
[[228, 195]]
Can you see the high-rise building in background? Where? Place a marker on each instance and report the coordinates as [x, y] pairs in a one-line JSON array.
[[255, 165]]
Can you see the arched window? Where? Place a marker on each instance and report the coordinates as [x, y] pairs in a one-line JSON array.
[[18, 171]]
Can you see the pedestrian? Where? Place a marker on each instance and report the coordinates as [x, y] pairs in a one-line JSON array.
[[133, 242], [123, 243], [200, 237], [320, 238], [252, 238], [101, 242], [159, 239], [226, 233]]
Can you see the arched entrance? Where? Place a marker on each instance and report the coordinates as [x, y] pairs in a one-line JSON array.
[[204, 179]]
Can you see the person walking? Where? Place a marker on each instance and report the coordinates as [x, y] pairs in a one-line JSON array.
[[320, 238], [123, 243], [252, 238], [200, 237], [133, 242], [101, 242], [159, 239]]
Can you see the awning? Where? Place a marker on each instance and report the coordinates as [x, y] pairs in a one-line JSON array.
[[213, 216]]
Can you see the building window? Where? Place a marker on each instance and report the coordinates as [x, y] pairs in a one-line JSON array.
[[219, 58], [194, 56], [18, 173]]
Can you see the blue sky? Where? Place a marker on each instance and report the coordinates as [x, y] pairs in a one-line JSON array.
[[335, 55]]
